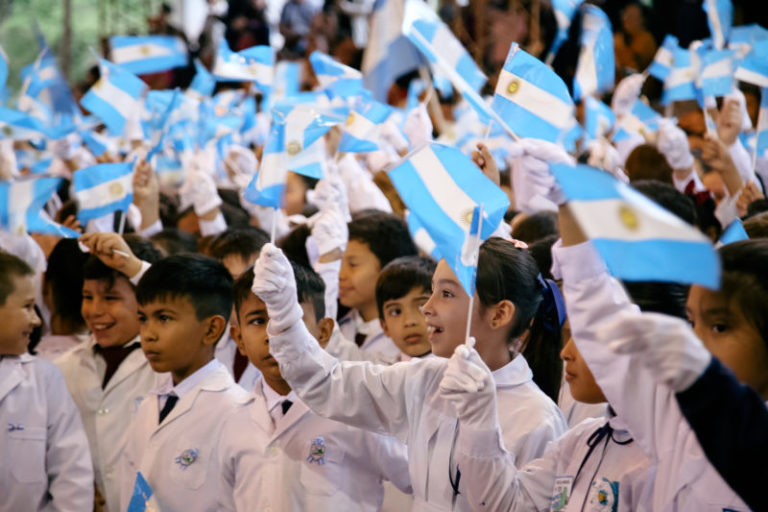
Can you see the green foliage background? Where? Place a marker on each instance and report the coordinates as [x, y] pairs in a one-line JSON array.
[[90, 20]]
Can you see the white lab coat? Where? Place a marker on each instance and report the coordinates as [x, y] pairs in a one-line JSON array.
[[684, 479], [106, 412], [193, 424], [403, 400], [614, 477], [225, 353], [45, 462], [375, 342], [266, 465]]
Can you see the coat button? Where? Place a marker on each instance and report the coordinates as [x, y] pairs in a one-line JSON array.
[[103, 411]]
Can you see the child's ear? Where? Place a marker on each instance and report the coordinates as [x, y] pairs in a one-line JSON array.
[[502, 314], [215, 328], [325, 328], [235, 334], [384, 327]]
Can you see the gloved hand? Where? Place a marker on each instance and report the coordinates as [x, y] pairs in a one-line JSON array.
[[199, 191], [672, 142], [627, 91], [604, 156], [391, 134], [665, 345], [275, 284], [534, 185], [330, 192], [330, 231], [468, 385], [241, 165], [418, 126]]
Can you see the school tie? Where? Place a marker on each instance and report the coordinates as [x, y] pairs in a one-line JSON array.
[[360, 339], [239, 365], [286, 404], [113, 357], [170, 403]]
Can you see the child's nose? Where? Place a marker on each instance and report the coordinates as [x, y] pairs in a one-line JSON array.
[[35, 319]]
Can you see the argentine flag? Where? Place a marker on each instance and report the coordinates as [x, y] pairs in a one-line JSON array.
[[743, 38], [680, 84], [532, 100], [102, 189], [717, 69], [719, 19], [115, 97], [420, 236], [754, 67], [334, 77], [565, 10], [598, 118], [664, 58], [148, 54], [595, 70], [268, 185], [361, 130], [203, 82], [735, 232], [638, 239], [443, 188], [254, 64], [142, 498], [641, 120], [21, 207], [20, 126]]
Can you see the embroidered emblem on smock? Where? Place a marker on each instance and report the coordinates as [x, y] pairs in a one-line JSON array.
[[317, 451], [186, 458]]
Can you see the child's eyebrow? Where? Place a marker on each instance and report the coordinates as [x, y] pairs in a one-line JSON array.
[[708, 313], [162, 311], [256, 312]]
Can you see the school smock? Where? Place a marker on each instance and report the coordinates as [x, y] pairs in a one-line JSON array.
[[403, 400], [595, 466], [375, 339], [302, 462], [106, 412], [684, 479], [178, 457], [45, 461]]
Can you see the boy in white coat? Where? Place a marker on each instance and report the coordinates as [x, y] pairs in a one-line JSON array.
[[278, 455], [107, 373], [45, 459], [184, 302]]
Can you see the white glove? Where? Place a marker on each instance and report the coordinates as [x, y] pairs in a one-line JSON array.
[[627, 91], [199, 191], [418, 126], [673, 144], [330, 231], [275, 284], [65, 147], [241, 165], [468, 385], [604, 156], [534, 185], [391, 134], [330, 192], [665, 345]]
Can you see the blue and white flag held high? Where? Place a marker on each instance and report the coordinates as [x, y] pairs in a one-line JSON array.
[[717, 68], [531, 99], [442, 187], [664, 58], [254, 64], [115, 97], [102, 189], [754, 67], [142, 498], [680, 84], [21, 207], [719, 19], [595, 71], [565, 10], [268, 185], [336, 78], [20, 126], [598, 118], [203, 83], [743, 38], [360, 132], [638, 239], [148, 54], [641, 120], [420, 236]]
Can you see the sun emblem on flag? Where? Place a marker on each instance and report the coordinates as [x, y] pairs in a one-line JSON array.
[[7, 131], [628, 217], [350, 118], [253, 69], [99, 83], [513, 86], [145, 50], [293, 147], [116, 190], [466, 217]]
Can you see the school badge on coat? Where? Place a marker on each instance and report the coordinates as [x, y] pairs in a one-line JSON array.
[[317, 451], [604, 495], [187, 458]]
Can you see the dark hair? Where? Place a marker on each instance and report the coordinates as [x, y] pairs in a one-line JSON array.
[[309, 288], [541, 250], [505, 272], [658, 297], [745, 280], [64, 278], [244, 242], [669, 198], [294, 244], [757, 207], [140, 247], [385, 234], [175, 241], [645, 162], [536, 226], [402, 275], [11, 266], [757, 225], [203, 281]]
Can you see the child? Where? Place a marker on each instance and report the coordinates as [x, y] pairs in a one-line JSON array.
[[375, 239], [45, 459], [403, 399], [184, 302], [107, 373], [403, 287], [274, 452]]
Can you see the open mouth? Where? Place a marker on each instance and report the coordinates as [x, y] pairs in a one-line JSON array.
[[433, 329], [99, 328]]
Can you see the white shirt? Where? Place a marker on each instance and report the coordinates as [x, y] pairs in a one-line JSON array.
[[45, 460], [375, 339], [302, 462], [684, 479], [275, 400], [403, 400]]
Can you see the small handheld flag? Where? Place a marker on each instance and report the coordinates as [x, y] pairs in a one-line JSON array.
[[664, 58], [148, 54], [595, 70], [102, 189], [21, 207], [142, 498], [254, 64], [115, 97], [335, 77]]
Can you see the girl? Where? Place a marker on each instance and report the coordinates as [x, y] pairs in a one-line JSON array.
[[403, 399]]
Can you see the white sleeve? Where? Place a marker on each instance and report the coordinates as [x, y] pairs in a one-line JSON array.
[[329, 272], [144, 267], [226, 492], [213, 227], [361, 394], [67, 458], [345, 350], [152, 229], [743, 162], [391, 458]]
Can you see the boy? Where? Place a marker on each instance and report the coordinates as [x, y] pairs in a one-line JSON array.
[[46, 465], [184, 302], [375, 239], [107, 373], [275, 454], [402, 288]]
